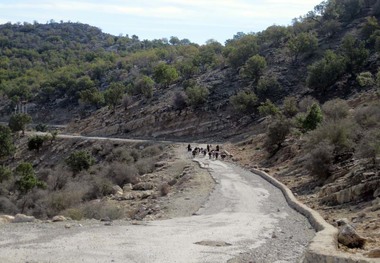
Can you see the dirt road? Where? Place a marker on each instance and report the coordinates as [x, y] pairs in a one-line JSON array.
[[245, 220]]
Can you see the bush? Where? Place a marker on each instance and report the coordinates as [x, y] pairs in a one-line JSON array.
[[268, 87], [244, 102], [151, 151], [26, 179], [121, 173], [365, 79], [126, 101], [369, 146], [335, 109], [268, 108], [5, 173], [319, 160], [145, 85], [276, 134], [145, 165], [368, 116], [197, 95], [290, 108], [79, 161], [6, 141], [306, 103], [313, 118], [102, 210], [340, 134], [180, 100], [41, 127], [254, 67], [18, 122], [36, 142], [73, 213], [325, 72], [7, 207]]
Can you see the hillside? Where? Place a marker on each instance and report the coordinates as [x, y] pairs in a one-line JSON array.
[[299, 101]]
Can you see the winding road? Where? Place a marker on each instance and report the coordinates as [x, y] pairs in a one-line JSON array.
[[245, 219]]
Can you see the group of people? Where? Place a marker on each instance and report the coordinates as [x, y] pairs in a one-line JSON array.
[[212, 153]]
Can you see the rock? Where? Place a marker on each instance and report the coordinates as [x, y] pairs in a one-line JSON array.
[[6, 219], [213, 243], [348, 236], [21, 218], [127, 187], [160, 164], [67, 226], [59, 219], [117, 190], [143, 186], [374, 253]]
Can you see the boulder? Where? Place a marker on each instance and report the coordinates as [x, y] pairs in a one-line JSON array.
[[21, 218], [127, 187], [348, 236], [6, 219], [59, 218], [117, 190]]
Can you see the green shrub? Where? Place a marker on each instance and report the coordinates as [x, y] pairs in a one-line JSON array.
[[302, 43], [325, 72], [80, 160], [268, 87], [6, 141], [145, 85], [254, 67], [365, 79], [335, 109], [268, 108], [276, 134], [41, 127], [355, 52], [26, 179], [36, 142], [290, 108], [197, 96], [5, 173], [18, 122], [305, 103], [313, 118], [244, 102]]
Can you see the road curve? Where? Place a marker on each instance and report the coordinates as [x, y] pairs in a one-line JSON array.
[[246, 219]]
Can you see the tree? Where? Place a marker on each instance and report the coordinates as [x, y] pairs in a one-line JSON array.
[[197, 95], [254, 67], [36, 142], [325, 72], [365, 79], [276, 135], [114, 94], [26, 178], [145, 85], [302, 43], [268, 87], [6, 142], [355, 52], [92, 96], [239, 50], [244, 102], [79, 160], [313, 118], [165, 74], [18, 122]]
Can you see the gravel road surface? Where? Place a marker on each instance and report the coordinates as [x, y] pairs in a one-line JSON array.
[[245, 220]]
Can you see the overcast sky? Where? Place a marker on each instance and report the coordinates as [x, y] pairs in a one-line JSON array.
[[197, 20]]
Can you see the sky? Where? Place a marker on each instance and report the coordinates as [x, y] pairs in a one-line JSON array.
[[196, 20]]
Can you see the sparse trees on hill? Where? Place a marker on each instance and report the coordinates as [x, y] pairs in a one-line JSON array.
[[268, 87], [238, 51], [355, 52], [145, 85], [80, 160]]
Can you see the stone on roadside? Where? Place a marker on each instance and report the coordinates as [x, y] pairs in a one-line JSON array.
[[143, 186], [21, 218], [59, 218], [348, 236]]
